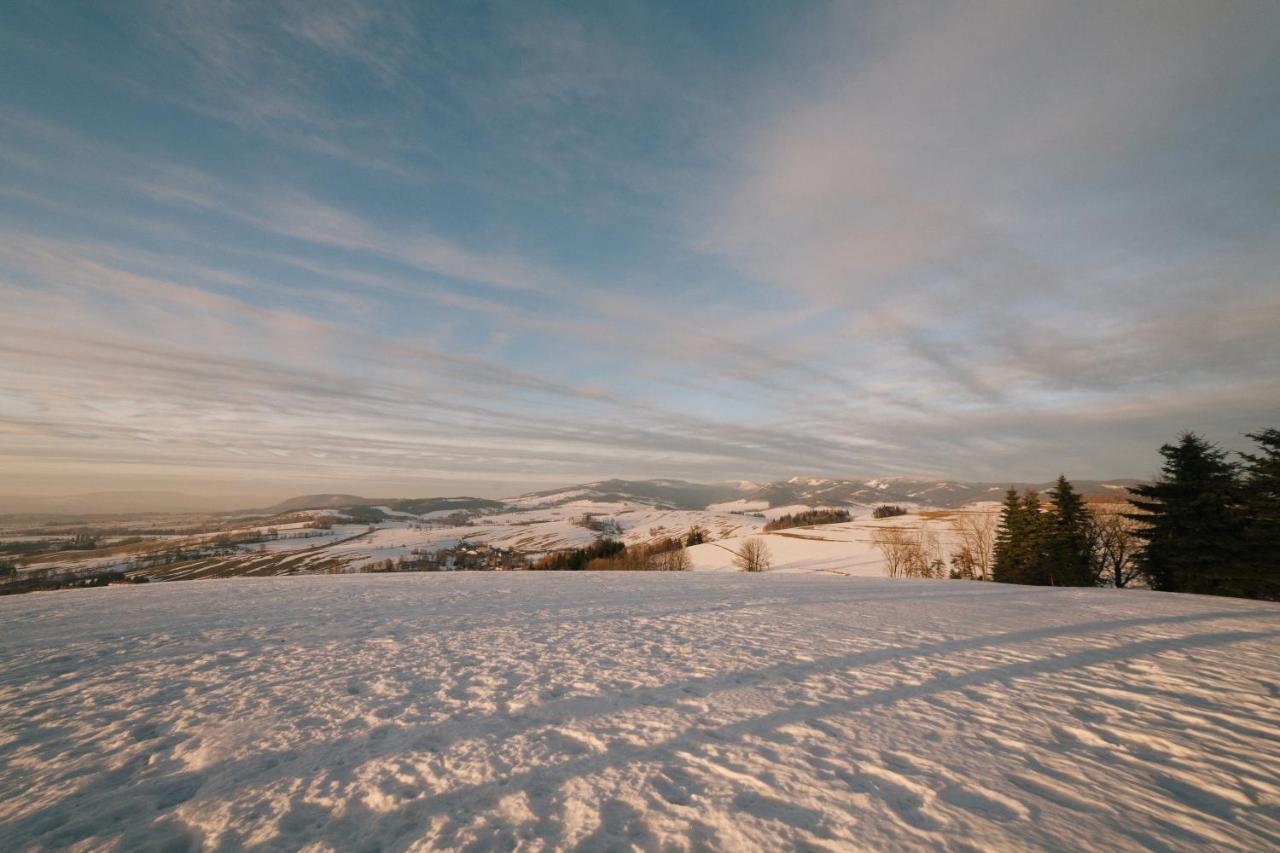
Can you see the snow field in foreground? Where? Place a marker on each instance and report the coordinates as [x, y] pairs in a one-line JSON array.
[[615, 710]]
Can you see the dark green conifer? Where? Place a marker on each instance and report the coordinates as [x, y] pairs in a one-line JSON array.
[[1192, 527], [1260, 493], [1006, 562], [1067, 557], [1035, 569]]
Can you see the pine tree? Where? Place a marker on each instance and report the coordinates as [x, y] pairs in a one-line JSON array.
[[1034, 541], [1006, 563], [1260, 488], [1067, 558], [1192, 527], [1044, 549]]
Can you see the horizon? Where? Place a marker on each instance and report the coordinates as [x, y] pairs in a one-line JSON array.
[[151, 502], [262, 250]]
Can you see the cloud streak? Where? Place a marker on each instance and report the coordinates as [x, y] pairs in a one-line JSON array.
[[324, 245]]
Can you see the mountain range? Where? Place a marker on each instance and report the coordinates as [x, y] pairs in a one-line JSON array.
[[676, 494], [808, 491], [744, 495]]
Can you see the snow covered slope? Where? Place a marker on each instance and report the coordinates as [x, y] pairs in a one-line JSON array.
[[619, 711], [912, 491], [797, 491], [673, 493], [847, 548]]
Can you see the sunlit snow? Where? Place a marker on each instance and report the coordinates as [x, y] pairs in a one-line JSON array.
[[624, 710]]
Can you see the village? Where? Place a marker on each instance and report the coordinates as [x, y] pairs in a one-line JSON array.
[[473, 557]]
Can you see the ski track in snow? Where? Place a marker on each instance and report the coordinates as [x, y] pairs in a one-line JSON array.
[[618, 711]]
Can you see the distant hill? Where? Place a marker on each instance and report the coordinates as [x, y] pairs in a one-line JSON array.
[[678, 494], [417, 506], [422, 506], [675, 494], [318, 502], [814, 491], [807, 491]]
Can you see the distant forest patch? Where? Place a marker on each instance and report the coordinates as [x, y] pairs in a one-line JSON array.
[[808, 518]]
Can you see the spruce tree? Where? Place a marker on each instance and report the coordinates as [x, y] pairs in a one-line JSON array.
[[1067, 558], [1192, 527], [1260, 488], [1035, 567], [1005, 564]]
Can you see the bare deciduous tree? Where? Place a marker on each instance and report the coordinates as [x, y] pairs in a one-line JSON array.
[[977, 534], [929, 563], [671, 561], [895, 544], [910, 553], [753, 556], [1113, 535]]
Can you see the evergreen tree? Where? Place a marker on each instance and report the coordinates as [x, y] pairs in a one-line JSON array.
[[1192, 527], [1067, 548], [1034, 541], [1260, 488], [1006, 563], [1019, 546]]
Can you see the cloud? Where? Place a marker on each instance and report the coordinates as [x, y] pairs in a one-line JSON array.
[[964, 116], [524, 244], [153, 370], [966, 183]]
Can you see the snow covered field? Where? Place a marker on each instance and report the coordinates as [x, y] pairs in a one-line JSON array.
[[619, 710], [356, 546]]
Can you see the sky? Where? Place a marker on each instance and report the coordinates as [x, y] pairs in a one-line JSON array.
[[255, 249]]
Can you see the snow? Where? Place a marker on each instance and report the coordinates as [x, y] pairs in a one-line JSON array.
[[395, 513], [533, 501], [796, 550], [621, 711], [740, 505], [304, 540], [846, 548]]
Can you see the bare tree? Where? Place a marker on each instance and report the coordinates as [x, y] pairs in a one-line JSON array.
[[753, 556], [928, 562], [1113, 534], [671, 561], [910, 553], [899, 548], [977, 534]]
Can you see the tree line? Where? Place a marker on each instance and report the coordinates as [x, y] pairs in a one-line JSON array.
[[1209, 524], [918, 552], [661, 555], [664, 554], [808, 518]]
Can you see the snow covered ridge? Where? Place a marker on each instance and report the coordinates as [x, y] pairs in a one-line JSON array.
[[625, 711], [363, 538], [802, 491]]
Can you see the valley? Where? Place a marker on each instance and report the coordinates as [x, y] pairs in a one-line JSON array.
[[340, 533]]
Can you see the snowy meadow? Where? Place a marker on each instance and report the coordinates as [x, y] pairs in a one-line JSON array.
[[636, 711]]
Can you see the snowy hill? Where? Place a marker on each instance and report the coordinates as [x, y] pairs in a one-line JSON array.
[[806, 491], [676, 494], [326, 501], [332, 533], [637, 711], [918, 491], [672, 494]]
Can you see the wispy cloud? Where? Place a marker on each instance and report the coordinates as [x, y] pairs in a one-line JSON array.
[[381, 243]]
